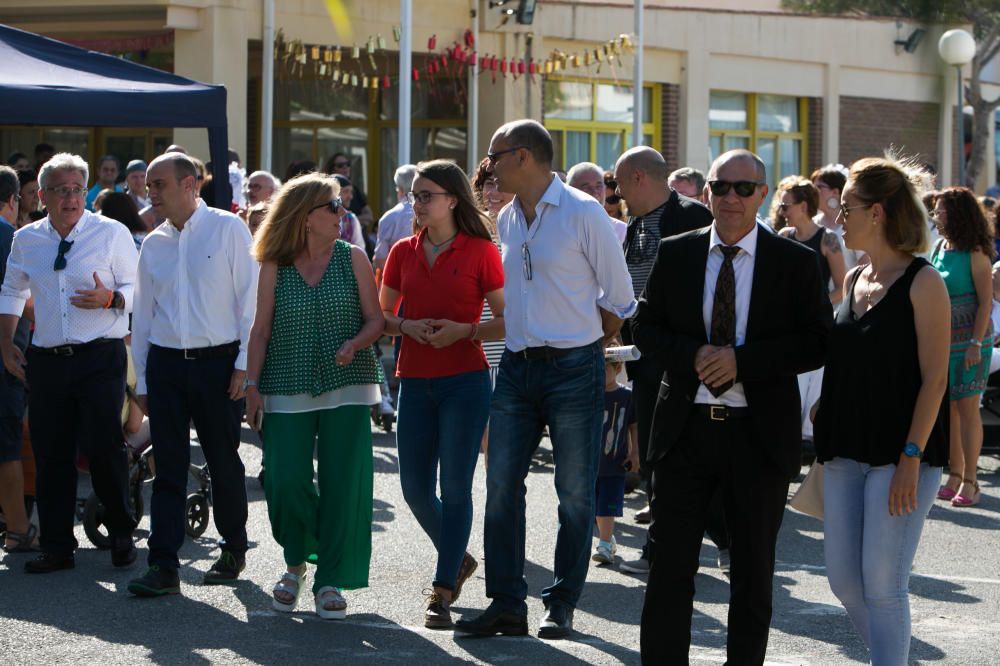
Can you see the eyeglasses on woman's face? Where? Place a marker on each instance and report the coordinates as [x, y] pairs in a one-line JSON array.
[[424, 197], [333, 204]]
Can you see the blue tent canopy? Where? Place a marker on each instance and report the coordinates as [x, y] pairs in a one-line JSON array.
[[47, 82]]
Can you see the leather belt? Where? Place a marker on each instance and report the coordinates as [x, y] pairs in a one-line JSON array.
[[545, 353], [202, 352], [70, 350], [721, 412]]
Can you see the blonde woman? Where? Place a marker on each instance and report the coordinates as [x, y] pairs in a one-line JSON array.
[[311, 374]]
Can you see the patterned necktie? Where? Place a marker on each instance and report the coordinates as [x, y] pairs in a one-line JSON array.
[[724, 310]]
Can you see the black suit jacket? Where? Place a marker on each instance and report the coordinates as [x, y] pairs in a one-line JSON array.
[[787, 328]]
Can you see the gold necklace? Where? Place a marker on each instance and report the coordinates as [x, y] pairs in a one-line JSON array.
[[868, 292]]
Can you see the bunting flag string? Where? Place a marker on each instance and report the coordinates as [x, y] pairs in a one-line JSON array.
[[369, 66]]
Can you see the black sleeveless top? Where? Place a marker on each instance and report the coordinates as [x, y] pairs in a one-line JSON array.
[[871, 382], [816, 245]]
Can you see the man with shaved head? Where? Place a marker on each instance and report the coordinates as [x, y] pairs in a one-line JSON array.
[[567, 291], [732, 314], [655, 212]]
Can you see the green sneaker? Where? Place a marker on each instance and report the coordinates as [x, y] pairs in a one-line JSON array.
[[156, 582], [225, 571]]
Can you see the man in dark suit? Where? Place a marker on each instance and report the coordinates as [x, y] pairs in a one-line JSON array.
[[733, 314], [655, 212]]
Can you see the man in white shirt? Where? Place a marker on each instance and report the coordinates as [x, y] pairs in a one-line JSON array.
[[567, 291], [80, 269], [195, 300], [397, 222], [588, 177]]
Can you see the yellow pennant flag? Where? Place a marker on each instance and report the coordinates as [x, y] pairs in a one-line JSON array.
[[340, 19]]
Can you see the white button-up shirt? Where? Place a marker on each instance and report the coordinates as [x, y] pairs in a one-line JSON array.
[[100, 245], [743, 264], [397, 223], [577, 265], [197, 287]]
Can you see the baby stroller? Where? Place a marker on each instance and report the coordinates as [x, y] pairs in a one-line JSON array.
[[142, 468]]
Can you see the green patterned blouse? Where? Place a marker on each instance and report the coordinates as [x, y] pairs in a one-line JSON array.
[[309, 326]]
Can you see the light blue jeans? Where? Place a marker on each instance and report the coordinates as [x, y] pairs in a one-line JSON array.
[[869, 553]]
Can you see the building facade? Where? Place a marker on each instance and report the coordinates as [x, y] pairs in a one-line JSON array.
[[801, 91]]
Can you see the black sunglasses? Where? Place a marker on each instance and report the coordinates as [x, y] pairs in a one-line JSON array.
[[492, 157], [333, 204], [612, 199], [743, 188], [64, 247]]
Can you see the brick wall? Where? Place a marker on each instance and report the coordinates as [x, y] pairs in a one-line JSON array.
[[869, 126], [814, 158], [670, 129]]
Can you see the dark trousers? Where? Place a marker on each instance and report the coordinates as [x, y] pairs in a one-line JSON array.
[[75, 404], [181, 391], [645, 387], [711, 456]]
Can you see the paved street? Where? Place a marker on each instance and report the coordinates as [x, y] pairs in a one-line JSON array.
[[85, 616]]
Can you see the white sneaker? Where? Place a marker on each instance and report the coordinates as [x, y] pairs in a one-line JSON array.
[[603, 554], [639, 566]]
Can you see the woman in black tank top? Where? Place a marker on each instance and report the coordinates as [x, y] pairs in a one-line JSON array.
[[796, 204], [880, 431]]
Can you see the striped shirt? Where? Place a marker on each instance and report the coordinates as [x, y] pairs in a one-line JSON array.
[[641, 251]]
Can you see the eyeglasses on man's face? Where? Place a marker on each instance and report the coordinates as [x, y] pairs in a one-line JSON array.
[[64, 191], [743, 188], [493, 157]]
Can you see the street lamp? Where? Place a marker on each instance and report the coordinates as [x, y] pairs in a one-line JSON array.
[[958, 48]]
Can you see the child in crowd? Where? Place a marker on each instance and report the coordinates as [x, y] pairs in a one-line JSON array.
[[619, 453]]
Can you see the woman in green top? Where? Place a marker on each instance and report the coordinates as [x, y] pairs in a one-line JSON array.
[[312, 374], [964, 259]]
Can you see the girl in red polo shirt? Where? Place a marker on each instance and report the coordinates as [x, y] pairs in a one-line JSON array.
[[443, 273]]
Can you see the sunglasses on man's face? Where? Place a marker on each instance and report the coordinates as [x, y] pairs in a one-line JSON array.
[[333, 204], [743, 188]]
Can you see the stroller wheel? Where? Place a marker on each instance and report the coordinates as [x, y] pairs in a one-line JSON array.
[[196, 515], [93, 522]]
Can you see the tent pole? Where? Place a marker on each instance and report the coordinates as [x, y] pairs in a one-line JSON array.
[[267, 92], [405, 82]]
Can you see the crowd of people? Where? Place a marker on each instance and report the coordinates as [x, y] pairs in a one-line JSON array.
[[134, 297]]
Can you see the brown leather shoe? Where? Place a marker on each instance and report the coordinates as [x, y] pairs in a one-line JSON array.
[[469, 566]]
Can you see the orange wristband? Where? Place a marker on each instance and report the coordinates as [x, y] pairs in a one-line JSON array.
[[111, 299]]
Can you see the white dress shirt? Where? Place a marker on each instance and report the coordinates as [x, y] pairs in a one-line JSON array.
[[100, 245], [397, 223], [197, 287], [577, 265], [743, 264]]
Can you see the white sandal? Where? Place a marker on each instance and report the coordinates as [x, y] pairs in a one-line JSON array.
[[336, 599], [282, 586]]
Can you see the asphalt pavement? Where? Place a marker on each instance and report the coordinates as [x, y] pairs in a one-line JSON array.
[[86, 616]]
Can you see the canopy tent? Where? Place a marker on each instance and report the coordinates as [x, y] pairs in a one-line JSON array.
[[47, 82]]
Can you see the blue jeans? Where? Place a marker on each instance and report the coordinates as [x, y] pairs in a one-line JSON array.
[[567, 393], [869, 553], [441, 421]]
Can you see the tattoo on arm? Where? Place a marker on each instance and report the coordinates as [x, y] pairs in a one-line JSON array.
[[830, 242]]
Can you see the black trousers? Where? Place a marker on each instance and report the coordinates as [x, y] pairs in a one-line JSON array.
[[75, 404], [712, 456], [181, 391], [645, 387]]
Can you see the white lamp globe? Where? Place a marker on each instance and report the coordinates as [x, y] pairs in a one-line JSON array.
[[957, 47]]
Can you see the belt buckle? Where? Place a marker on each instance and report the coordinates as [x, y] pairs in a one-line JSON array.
[[717, 409], [187, 357], [64, 350]]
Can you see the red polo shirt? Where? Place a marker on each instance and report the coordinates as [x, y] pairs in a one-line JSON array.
[[454, 288]]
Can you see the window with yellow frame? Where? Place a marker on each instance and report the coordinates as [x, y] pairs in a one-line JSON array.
[[773, 126], [591, 121]]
